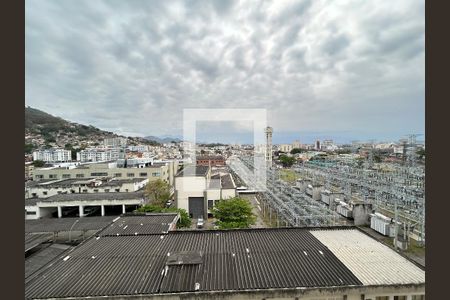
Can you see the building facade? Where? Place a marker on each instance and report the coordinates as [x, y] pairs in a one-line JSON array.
[[53, 155]]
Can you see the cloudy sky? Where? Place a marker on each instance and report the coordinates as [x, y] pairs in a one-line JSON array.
[[343, 69]]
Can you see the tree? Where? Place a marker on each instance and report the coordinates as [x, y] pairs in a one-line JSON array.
[[287, 161], [234, 213], [158, 191], [184, 220], [297, 150], [29, 148], [420, 153], [38, 163]]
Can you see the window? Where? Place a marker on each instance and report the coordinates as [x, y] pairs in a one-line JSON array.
[[31, 213], [33, 195], [66, 176], [44, 192], [118, 175], [117, 190], [418, 297], [85, 191], [210, 204], [156, 174], [399, 297], [99, 174], [52, 176], [39, 176], [80, 175], [106, 190], [95, 190], [144, 174], [130, 174]]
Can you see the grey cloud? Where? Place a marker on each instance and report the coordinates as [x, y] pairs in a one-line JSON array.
[[132, 66]]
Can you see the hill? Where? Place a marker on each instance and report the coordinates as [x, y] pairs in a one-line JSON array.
[[162, 140], [43, 130]]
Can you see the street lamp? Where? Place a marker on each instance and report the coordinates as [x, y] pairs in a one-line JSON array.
[[70, 230]]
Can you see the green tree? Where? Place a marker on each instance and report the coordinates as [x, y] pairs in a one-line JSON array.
[[29, 148], [158, 191], [184, 220], [287, 161], [297, 150], [38, 163], [420, 153], [234, 213]]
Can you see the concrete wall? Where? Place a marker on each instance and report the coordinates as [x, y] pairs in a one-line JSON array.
[[336, 293]]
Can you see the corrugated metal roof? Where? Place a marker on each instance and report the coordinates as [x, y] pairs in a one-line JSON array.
[[42, 257], [33, 240], [65, 224], [140, 225], [231, 260], [372, 262]]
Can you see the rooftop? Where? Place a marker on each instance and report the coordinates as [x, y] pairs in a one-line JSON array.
[[50, 225], [222, 260], [193, 171], [141, 224]]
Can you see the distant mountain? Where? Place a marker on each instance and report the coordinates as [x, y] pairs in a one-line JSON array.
[[43, 130], [163, 139]]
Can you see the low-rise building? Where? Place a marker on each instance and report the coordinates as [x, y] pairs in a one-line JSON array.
[[29, 170], [278, 263], [197, 191], [105, 169], [82, 204], [48, 188], [210, 160]]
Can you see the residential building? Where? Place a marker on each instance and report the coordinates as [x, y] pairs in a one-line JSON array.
[[317, 145], [99, 154], [29, 170], [53, 155], [286, 148], [296, 145], [210, 160], [117, 142]]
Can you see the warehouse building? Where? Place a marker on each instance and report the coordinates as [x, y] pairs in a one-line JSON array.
[[341, 263], [83, 204], [50, 239], [104, 169], [48, 188], [197, 191]]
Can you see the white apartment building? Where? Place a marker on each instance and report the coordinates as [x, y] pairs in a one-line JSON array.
[[138, 148], [98, 154], [53, 155], [115, 142], [296, 145], [285, 148]]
